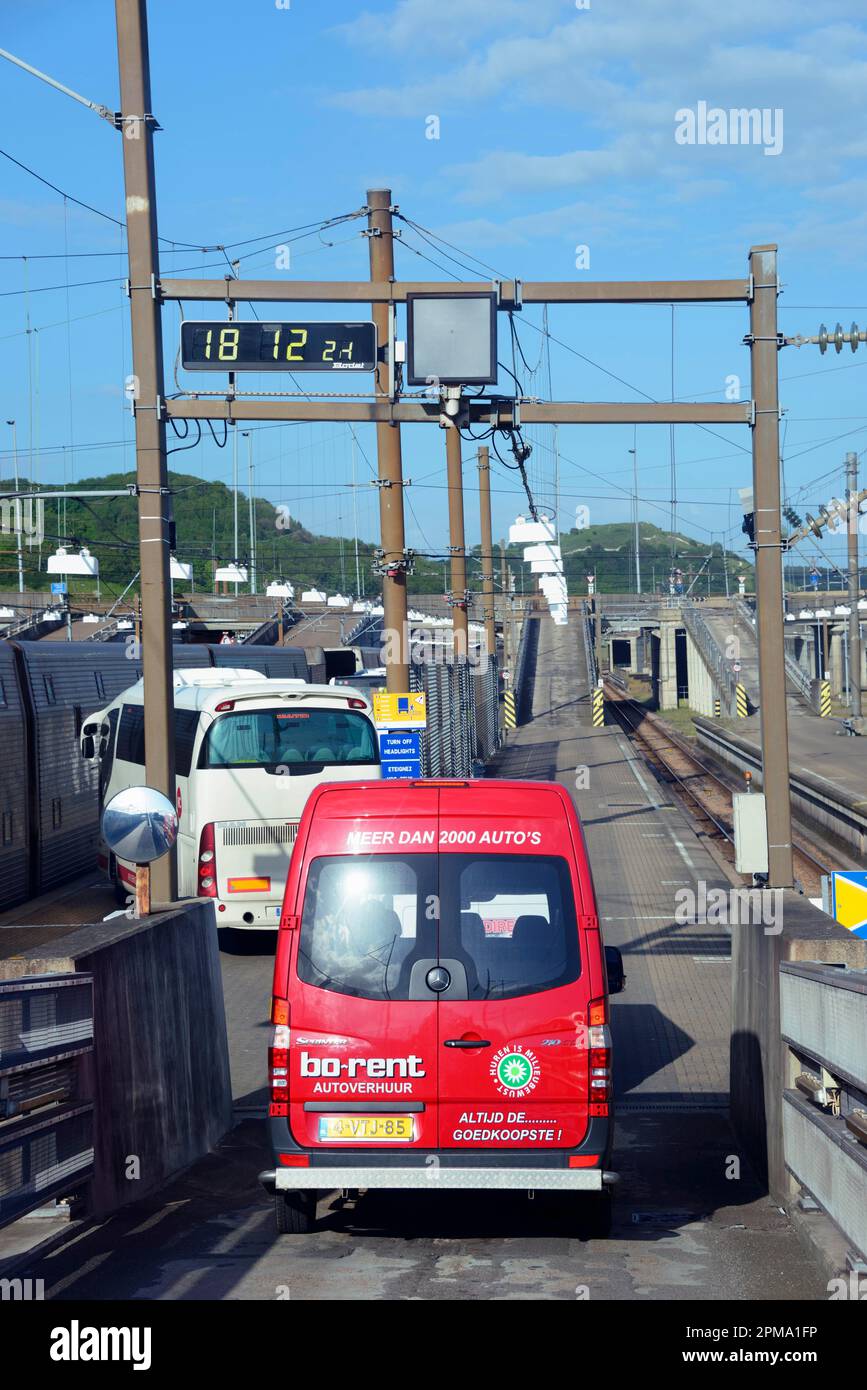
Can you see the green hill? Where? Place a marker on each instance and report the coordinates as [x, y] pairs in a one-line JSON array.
[[203, 516]]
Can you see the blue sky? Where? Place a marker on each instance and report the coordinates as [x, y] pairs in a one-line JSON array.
[[556, 129]]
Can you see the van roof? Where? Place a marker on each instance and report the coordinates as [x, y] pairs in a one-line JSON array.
[[195, 690], [479, 796]]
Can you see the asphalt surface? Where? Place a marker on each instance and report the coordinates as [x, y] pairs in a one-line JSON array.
[[690, 1219]]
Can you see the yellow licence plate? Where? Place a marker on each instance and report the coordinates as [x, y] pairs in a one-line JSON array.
[[363, 1128]]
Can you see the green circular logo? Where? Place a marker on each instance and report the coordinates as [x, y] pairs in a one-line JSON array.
[[514, 1071]]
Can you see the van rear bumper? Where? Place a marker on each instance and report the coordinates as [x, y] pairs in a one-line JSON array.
[[435, 1176]]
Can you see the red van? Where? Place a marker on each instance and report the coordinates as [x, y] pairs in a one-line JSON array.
[[440, 1002]]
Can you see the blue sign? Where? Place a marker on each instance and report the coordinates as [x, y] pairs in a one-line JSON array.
[[58, 588], [400, 753]]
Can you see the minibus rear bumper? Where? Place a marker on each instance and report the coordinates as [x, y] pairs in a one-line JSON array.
[[497, 1169]]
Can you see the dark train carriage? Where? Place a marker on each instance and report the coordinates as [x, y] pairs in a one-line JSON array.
[[15, 849], [63, 684], [271, 661]]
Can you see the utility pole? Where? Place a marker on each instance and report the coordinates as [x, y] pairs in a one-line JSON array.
[[137, 124], [251, 506], [487, 550], [355, 516], [769, 563], [457, 548], [457, 598], [17, 507], [854, 589], [393, 534], [235, 498], [634, 453], [504, 589]]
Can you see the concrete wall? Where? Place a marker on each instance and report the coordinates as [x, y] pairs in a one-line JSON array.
[[759, 1066], [701, 686], [160, 1072]]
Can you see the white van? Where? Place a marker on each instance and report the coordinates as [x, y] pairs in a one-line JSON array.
[[248, 752]]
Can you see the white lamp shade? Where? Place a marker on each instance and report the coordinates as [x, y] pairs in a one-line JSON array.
[[177, 570], [66, 562], [523, 531], [313, 596], [541, 552], [280, 589], [231, 574]]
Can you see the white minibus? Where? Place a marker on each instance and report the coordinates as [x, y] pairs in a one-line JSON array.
[[248, 752]]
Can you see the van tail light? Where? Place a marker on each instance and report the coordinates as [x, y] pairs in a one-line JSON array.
[[278, 1066], [598, 1057], [207, 864]]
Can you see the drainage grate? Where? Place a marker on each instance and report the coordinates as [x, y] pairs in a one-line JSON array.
[[669, 1107]]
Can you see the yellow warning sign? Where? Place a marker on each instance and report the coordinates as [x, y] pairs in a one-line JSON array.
[[393, 710]]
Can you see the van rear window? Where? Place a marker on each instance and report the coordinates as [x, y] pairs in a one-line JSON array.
[[365, 921], [507, 924], [511, 920], [289, 738]]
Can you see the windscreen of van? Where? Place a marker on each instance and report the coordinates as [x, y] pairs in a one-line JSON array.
[[289, 738], [365, 921], [510, 921]]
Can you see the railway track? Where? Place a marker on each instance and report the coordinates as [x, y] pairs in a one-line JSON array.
[[707, 789]]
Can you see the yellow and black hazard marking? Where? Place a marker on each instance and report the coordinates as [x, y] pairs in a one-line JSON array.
[[824, 699], [510, 718], [716, 709], [598, 708], [741, 706]]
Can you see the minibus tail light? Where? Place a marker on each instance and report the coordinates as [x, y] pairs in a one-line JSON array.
[[280, 1011], [278, 1067], [207, 865], [223, 706], [357, 704], [598, 1058]]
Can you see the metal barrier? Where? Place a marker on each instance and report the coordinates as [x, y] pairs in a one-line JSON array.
[[823, 1022], [46, 1124], [589, 647], [462, 713], [713, 658], [521, 684], [795, 673]]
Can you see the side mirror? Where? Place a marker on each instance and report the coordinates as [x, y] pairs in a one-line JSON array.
[[614, 970], [88, 749]]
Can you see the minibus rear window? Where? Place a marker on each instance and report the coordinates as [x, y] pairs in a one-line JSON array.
[[511, 921], [296, 740], [366, 921]]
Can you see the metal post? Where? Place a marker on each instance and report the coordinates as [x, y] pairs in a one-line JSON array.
[[455, 481], [597, 638], [235, 499], [355, 516], [150, 437], [634, 453], [379, 225], [251, 505], [769, 563], [504, 589], [487, 550], [17, 506], [854, 589]]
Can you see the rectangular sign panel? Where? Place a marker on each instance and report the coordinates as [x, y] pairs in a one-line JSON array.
[[408, 711], [400, 753], [221, 346]]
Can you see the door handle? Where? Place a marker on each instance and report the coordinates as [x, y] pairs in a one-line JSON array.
[[466, 1042]]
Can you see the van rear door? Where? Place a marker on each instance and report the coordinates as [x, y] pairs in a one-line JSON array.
[[513, 1059], [363, 1036]]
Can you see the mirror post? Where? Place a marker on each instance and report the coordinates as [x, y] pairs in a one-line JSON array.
[[142, 890]]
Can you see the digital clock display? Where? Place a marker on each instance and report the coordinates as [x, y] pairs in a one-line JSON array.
[[223, 346]]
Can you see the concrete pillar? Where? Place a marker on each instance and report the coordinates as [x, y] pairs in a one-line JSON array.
[[837, 662], [667, 680]]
